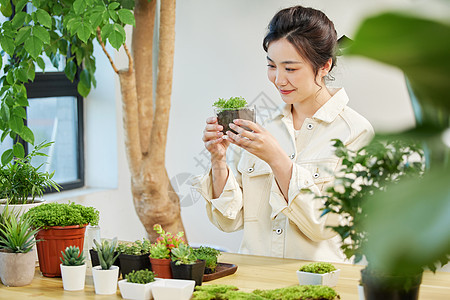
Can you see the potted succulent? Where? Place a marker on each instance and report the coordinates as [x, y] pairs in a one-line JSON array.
[[96, 262], [105, 275], [185, 265], [318, 273], [73, 269], [374, 168], [160, 251], [21, 184], [231, 109], [137, 285], [134, 256], [60, 225], [17, 256], [209, 255]]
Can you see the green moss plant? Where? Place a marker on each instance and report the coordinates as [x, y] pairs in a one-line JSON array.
[[141, 276], [209, 255], [137, 247], [318, 268], [231, 103]]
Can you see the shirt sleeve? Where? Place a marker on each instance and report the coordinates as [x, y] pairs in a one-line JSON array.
[[226, 211]]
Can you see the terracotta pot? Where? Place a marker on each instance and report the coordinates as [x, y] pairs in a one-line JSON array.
[[161, 267], [17, 269], [54, 240]]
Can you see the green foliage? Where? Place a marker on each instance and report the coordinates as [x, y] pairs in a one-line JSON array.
[[232, 103], [54, 29], [183, 254], [72, 256], [136, 248], [159, 251], [374, 167], [62, 214], [140, 276], [16, 232], [209, 255], [302, 292], [105, 252], [318, 268], [20, 180]]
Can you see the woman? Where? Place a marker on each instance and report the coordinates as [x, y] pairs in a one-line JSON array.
[[269, 187]]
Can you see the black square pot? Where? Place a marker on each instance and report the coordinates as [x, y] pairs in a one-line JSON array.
[[96, 262], [189, 272], [129, 263]]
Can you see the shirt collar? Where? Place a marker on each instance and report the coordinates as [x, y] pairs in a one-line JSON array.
[[329, 111]]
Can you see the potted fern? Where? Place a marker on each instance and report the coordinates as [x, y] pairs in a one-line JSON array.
[[60, 225], [73, 269], [233, 108], [17, 256], [318, 273], [105, 275], [137, 285], [185, 265]]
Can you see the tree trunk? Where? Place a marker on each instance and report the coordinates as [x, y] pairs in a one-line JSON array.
[[146, 135]]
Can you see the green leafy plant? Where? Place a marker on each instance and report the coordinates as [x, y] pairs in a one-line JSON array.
[[159, 251], [16, 232], [209, 255], [137, 247], [141, 276], [231, 103], [72, 256], [373, 168], [318, 268], [105, 252], [62, 214], [183, 254], [20, 181]]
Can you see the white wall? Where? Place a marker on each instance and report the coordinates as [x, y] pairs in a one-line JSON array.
[[218, 53]]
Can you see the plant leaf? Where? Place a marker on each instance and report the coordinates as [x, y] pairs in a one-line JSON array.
[[44, 18], [7, 156], [126, 16], [27, 135], [33, 46], [18, 150]]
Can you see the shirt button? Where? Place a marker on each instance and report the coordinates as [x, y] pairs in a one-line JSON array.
[[279, 231], [310, 126], [316, 175], [250, 170], [292, 156]]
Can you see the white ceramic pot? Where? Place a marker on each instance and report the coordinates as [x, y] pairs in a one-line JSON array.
[[73, 277], [173, 289], [361, 292], [105, 281], [136, 291], [328, 279], [21, 208], [17, 269]]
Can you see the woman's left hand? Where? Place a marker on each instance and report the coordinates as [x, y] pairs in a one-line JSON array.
[[259, 142]]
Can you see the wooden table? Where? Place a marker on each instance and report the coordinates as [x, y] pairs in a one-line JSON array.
[[254, 272]]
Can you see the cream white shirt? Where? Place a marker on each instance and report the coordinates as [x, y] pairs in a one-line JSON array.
[[252, 201]]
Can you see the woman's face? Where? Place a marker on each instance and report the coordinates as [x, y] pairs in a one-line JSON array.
[[291, 74]]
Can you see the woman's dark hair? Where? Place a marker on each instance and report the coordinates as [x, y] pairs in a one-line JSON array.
[[308, 30]]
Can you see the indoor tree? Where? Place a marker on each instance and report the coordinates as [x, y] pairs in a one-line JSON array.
[[68, 28]]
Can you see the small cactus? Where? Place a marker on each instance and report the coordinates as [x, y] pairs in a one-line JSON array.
[[105, 252], [72, 257]]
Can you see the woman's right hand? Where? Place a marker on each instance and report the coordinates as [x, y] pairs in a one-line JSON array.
[[214, 141]]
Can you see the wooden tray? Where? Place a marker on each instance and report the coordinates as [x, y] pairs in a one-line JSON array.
[[222, 270]]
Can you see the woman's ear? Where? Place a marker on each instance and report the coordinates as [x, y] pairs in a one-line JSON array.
[[326, 68]]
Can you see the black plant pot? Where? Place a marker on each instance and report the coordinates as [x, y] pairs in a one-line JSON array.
[[189, 272], [389, 287], [129, 263], [96, 262]]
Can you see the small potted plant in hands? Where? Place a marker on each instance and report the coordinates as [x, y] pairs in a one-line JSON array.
[[137, 285], [185, 265], [209, 255], [17, 256], [231, 109], [318, 273], [105, 275], [160, 251], [73, 269]]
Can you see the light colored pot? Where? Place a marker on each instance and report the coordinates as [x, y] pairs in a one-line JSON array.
[[21, 208], [173, 289], [328, 279], [361, 292], [17, 269], [105, 281], [73, 277], [136, 291]]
